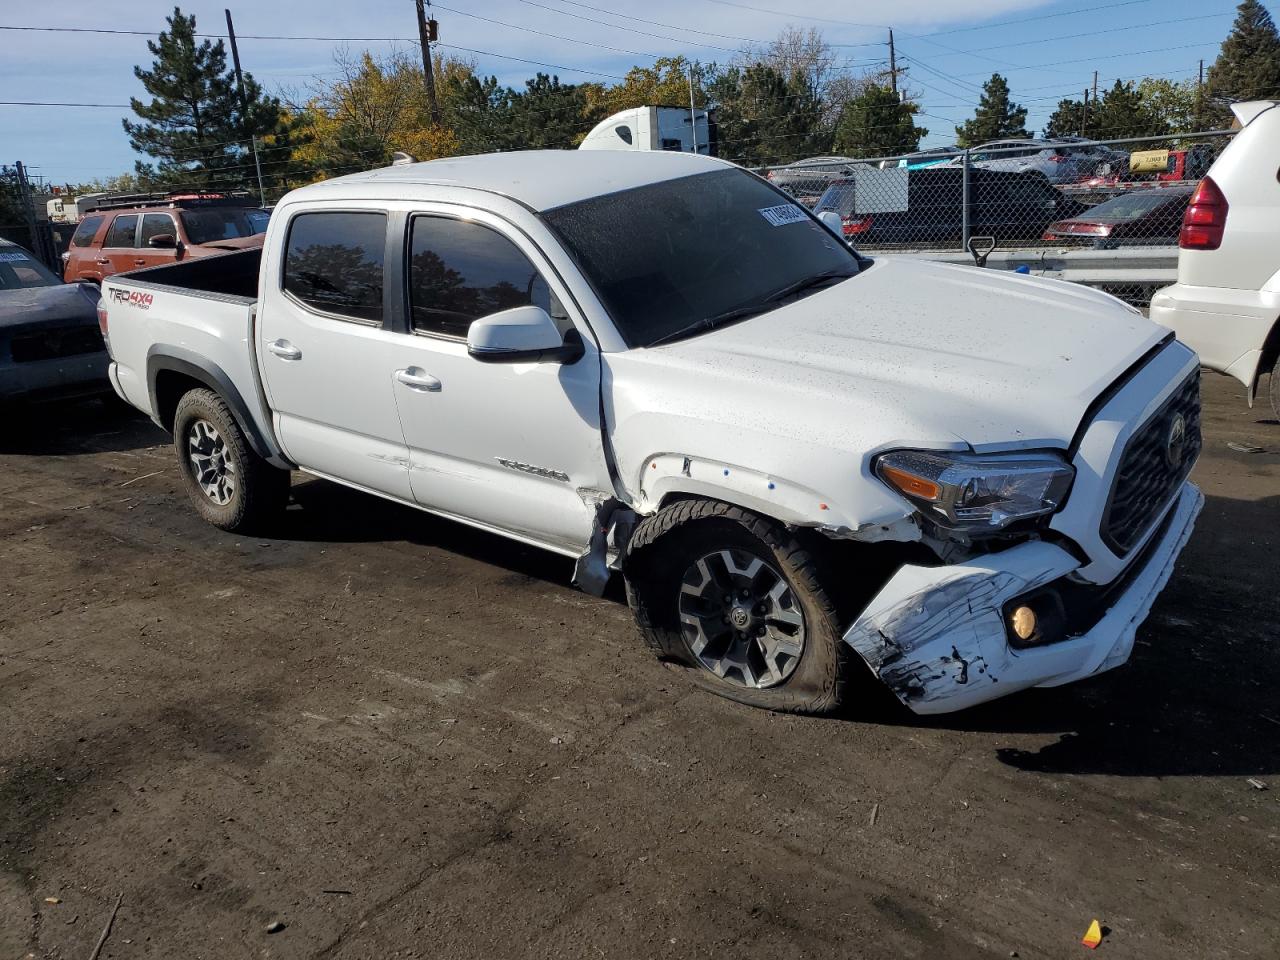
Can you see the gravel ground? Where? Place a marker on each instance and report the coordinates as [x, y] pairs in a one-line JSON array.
[[398, 737]]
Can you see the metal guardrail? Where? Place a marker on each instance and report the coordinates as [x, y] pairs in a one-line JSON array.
[[1132, 273], [1129, 265]]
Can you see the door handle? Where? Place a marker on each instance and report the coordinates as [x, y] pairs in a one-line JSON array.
[[418, 381], [140, 262], [284, 350], [104, 261]]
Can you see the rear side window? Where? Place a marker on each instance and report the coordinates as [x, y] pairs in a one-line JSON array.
[[156, 224], [121, 232], [333, 263], [86, 231], [459, 272]]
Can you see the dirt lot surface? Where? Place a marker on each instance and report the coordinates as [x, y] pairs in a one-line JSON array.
[[401, 738]]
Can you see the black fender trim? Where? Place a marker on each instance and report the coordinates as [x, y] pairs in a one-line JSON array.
[[161, 357]]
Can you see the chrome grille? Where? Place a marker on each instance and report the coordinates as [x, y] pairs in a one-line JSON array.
[[1156, 461]]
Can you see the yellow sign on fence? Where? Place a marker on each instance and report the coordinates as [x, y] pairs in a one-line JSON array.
[[1149, 161]]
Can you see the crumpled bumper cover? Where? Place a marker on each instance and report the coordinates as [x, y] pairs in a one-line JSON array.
[[936, 635]]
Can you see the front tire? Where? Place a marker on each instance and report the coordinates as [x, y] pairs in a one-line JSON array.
[[1275, 389], [737, 602], [230, 486]]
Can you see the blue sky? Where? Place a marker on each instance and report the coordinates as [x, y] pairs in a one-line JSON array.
[[1047, 50]]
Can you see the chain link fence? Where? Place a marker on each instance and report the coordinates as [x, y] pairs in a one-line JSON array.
[[1020, 197]]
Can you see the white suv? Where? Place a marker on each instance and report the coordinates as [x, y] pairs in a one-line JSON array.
[[1226, 303]]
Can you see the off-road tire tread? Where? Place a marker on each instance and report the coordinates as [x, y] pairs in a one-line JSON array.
[[263, 490], [827, 691]]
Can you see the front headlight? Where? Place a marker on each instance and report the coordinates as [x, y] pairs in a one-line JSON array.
[[977, 493]]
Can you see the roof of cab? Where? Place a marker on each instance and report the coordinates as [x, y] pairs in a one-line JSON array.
[[540, 179]]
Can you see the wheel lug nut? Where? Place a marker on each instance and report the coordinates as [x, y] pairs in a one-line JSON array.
[[744, 594]]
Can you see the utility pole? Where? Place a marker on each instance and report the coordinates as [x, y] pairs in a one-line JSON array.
[[893, 66], [244, 107], [1095, 86], [894, 69], [426, 33], [40, 244], [1084, 118], [1199, 96], [693, 115]]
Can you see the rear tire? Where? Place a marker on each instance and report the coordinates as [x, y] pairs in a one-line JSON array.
[[693, 559], [230, 486]]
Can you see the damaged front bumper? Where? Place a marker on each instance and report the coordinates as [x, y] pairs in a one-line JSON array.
[[936, 635]]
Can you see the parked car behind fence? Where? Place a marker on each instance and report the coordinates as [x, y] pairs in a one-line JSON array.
[[1136, 218], [926, 207]]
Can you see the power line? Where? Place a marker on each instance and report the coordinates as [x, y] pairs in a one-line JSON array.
[[46, 103], [800, 16], [543, 33], [652, 23]]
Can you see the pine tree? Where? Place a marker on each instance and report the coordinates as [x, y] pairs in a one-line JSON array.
[[1248, 65], [1067, 121], [877, 124], [764, 117], [997, 118], [194, 125], [1122, 112]]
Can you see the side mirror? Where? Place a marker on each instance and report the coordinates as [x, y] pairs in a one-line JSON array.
[[522, 335], [831, 220], [166, 241]]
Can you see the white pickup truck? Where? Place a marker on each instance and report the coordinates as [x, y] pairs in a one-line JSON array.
[[810, 467]]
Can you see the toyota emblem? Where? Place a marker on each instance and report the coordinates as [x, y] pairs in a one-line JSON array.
[[1176, 445]]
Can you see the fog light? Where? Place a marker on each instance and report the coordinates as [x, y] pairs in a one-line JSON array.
[[1023, 622]]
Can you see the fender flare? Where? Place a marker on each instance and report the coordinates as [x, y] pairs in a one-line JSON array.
[[166, 357]]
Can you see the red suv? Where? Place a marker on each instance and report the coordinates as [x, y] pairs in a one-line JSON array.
[[135, 233]]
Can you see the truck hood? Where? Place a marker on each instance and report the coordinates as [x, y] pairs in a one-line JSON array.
[[912, 352], [48, 306]]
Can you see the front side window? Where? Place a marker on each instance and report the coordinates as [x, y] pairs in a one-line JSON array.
[[87, 230], [460, 271], [122, 231], [155, 225], [697, 250], [333, 263]]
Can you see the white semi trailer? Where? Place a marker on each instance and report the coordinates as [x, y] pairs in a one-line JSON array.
[[652, 128]]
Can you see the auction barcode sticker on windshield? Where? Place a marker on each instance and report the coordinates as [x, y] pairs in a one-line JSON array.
[[8, 257], [783, 214]]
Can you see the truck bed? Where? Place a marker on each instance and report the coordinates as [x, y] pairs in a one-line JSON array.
[[228, 274], [193, 320]]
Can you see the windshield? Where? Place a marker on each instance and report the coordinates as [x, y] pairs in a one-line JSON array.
[[673, 254], [18, 270], [1131, 206], [225, 223]]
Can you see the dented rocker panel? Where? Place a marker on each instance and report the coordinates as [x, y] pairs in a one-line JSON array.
[[936, 635]]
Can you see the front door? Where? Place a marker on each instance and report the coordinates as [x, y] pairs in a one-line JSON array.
[[513, 446], [160, 225], [326, 353]]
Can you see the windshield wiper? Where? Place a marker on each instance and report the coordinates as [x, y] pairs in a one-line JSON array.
[[818, 279], [750, 310], [708, 323]]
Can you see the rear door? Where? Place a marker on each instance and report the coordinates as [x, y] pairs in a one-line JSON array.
[[82, 254], [119, 245], [327, 353]]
